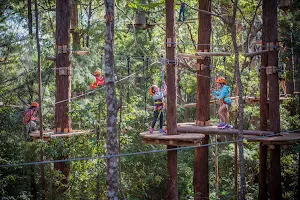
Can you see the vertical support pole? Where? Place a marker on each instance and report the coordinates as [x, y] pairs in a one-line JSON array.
[[263, 150], [145, 83], [274, 114], [263, 156], [144, 79], [171, 110], [128, 74], [236, 170], [63, 79], [275, 176], [43, 181], [201, 172]]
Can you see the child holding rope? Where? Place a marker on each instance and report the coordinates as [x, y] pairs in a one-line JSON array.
[[99, 80], [223, 94], [158, 97], [30, 121]]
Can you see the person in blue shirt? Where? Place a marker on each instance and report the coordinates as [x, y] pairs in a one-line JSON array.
[[223, 95], [158, 97]]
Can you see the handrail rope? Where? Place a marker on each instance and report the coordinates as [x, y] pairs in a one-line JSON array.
[[87, 93], [131, 154]]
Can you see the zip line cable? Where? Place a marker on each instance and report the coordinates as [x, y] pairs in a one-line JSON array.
[[134, 153]]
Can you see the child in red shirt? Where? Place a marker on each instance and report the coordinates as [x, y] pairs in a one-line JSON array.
[[99, 80]]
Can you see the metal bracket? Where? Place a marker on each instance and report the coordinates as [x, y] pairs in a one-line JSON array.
[[64, 71], [168, 62], [202, 123], [202, 67], [272, 46], [271, 70], [62, 49], [170, 42]]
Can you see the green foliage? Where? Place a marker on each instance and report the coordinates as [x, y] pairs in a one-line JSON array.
[[142, 176]]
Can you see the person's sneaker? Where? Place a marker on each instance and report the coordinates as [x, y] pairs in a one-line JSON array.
[[151, 130], [227, 126], [162, 130], [221, 124]]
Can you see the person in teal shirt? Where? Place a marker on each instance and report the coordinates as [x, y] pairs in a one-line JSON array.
[[223, 95]]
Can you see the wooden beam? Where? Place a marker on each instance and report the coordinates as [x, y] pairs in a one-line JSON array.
[[171, 98], [208, 130], [252, 54], [208, 54], [81, 52], [201, 170], [275, 173], [52, 58], [263, 156]]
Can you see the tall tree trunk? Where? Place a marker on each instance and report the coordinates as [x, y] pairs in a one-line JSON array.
[[89, 24], [171, 97], [63, 82], [74, 25], [112, 143], [29, 17], [241, 103], [201, 171], [42, 168], [272, 39], [263, 150]]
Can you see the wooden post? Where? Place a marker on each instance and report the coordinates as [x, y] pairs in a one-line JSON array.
[[63, 66], [171, 97], [275, 177], [74, 25], [201, 172], [263, 150], [263, 156], [63, 78], [272, 42], [42, 168], [236, 171]]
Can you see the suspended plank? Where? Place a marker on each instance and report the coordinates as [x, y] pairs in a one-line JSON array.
[[208, 54], [52, 58], [252, 54], [209, 130], [191, 139], [81, 52], [51, 134], [284, 138]]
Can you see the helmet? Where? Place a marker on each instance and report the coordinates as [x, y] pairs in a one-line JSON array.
[[221, 80], [153, 89], [34, 104], [97, 73]]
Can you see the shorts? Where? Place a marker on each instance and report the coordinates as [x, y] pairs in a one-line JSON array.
[[31, 127]]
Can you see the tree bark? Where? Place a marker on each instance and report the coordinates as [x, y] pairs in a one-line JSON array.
[[263, 156], [112, 142], [74, 25], [272, 38], [63, 81], [63, 67], [201, 171], [89, 24], [29, 15], [172, 109], [263, 150], [241, 103], [275, 176]]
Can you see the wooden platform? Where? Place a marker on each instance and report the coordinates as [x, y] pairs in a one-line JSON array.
[[172, 140], [201, 55], [50, 134], [248, 100], [214, 130], [283, 139]]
